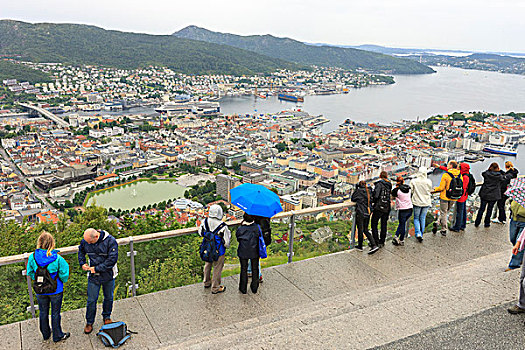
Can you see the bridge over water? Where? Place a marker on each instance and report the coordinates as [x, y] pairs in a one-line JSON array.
[[347, 300], [61, 122]]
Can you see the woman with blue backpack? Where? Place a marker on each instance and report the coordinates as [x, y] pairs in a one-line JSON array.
[[248, 237], [214, 226], [49, 271]]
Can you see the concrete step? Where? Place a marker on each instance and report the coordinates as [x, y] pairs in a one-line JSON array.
[[427, 298]]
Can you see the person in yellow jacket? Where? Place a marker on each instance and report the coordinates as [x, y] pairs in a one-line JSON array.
[[445, 203]]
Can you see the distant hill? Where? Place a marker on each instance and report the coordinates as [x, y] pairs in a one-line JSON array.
[[296, 51], [10, 70], [83, 44], [479, 61]]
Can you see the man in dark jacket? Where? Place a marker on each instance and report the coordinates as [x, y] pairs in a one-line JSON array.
[[102, 251], [490, 192], [510, 173], [381, 207], [248, 237]]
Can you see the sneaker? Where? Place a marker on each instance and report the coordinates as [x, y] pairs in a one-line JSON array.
[[358, 248], [381, 245], [64, 337], [496, 221], [107, 321], [476, 225], [444, 233], [515, 310], [220, 290], [401, 243], [249, 274], [453, 230], [207, 286], [260, 279], [420, 239], [88, 328], [373, 250], [395, 241], [503, 222]]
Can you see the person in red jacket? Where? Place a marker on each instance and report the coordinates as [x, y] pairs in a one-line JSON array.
[[461, 205]]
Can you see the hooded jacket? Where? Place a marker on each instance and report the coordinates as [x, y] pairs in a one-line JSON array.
[[491, 188], [444, 185], [248, 237], [103, 255], [56, 265], [379, 186], [510, 174], [402, 195], [362, 200], [464, 168], [214, 219], [421, 187]]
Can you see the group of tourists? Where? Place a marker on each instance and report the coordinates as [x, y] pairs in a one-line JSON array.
[[415, 198], [50, 271]]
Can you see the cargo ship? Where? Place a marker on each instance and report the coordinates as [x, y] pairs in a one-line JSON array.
[[509, 150], [291, 98]]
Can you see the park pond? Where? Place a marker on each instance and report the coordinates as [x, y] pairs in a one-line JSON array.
[[137, 194]]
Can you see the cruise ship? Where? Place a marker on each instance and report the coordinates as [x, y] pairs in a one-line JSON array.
[[207, 108], [507, 150]]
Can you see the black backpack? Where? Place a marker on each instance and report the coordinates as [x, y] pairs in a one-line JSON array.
[[383, 202], [44, 283], [471, 187], [455, 189], [209, 250]]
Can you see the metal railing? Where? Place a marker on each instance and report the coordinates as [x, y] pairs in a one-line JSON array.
[[131, 240]]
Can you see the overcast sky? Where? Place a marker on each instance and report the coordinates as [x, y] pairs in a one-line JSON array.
[[483, 25]]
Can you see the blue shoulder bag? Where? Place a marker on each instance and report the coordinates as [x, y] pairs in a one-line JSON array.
[[262, 246]]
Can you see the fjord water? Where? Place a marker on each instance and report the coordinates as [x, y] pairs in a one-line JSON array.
[[412, 96]]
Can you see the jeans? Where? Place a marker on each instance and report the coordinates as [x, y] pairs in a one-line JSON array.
[[43, 305], [514, 232], [362, 222], [461, 216], [250, 268], [243, 280], [403, 216], [502, 216], [376, 217], [420, 217], [490, 207], [93, 290]]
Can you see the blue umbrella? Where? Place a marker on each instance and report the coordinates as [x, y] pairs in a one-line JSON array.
[[256, 200]]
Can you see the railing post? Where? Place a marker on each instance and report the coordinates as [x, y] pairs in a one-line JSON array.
[[290, 238], [29, 288], [131, 255], [354, 225]]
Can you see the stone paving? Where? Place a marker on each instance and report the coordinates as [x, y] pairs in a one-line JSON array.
[[348, 300]]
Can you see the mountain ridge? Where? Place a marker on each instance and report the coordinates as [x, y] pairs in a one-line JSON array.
[[296, 51], [87, 44]]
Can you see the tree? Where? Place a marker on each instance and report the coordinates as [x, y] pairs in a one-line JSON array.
[[281, 147]]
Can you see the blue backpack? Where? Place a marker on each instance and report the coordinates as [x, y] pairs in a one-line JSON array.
[[114, 334], [210, 249]]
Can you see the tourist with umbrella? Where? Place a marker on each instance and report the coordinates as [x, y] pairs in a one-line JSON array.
[[257, 202]]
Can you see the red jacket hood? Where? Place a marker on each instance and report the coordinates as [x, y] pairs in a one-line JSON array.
[[464, 168]]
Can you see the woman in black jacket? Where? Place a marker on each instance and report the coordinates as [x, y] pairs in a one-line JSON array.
[[248, 237], [363, 207], [490, 192], [511, 173]]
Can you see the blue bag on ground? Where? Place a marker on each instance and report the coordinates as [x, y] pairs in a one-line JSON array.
[[262, 246], [114, 334]]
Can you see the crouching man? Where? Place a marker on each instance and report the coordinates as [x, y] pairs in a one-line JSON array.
[[102, 251]]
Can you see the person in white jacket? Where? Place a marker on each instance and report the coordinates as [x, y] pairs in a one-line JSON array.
[[214, 220], [421, 188]]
